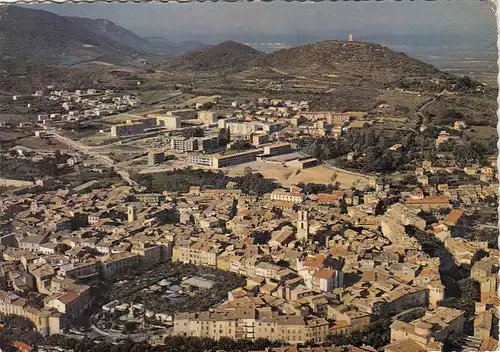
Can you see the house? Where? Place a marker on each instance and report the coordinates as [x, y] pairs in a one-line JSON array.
[[453, 217], [470, 170], [327, 279], [435, 326], [459, 125], [32, 243], [423, 180], [70, 303], [396, 147]]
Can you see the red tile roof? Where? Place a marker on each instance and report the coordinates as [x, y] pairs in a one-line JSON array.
[[68, 297], [489, 344], [21, 346], [324, 273], [315, 261], [453, 217]]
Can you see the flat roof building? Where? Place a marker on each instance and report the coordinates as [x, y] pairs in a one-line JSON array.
[[220, 161], [127, 129]]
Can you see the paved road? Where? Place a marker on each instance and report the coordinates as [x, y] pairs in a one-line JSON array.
[[106, 160]]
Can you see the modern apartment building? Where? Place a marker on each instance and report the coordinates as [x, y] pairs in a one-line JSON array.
[[220, 161], [170, 122], [127, 129], [277, 149], [202, 144]]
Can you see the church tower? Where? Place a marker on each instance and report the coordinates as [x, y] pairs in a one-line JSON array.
[[302, 225], [132, 213]]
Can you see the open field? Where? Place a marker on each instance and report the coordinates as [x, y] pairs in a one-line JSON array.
[[7, 135], [152, 96], [202, 99], [394, 97], [98, 139], [120, 118], [482, 132], [42, 144], [288, 176]]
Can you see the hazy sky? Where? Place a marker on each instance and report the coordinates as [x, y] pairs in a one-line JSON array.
[[278, 17]]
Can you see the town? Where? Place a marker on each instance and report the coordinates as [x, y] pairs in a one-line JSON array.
[[214, 218]]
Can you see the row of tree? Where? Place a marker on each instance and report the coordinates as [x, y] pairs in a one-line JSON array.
[[181, 180]]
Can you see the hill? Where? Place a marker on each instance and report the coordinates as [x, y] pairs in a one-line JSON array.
[[41, 37], [333, 75], [160, 47], [111, 31], [32, 35], [225, 57], [351, 63]]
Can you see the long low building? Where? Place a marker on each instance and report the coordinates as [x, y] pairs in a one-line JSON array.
[[220, 161]]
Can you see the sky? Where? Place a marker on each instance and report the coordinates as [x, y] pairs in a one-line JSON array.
[[215, 21]]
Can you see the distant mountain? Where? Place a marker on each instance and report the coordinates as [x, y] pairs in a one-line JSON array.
[[40, 36], [165, 47], [111, 31], [228, 56], [37, 36]]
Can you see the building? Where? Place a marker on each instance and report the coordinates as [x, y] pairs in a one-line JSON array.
[[430, 203], [327, 279], [302, 225], [202, 144], [288, 196], [71, 304], [182, 144], [317, 115], [246, 129], [47, 321], [435, 326], [118, 264], [347, 320], [251, 324], [305, 163], [147, 122], [208, 144], [131, 213], [220, 161], [127, 129], [155, 158], [170, 122], [260, 138], [277, 149], [207, 117]]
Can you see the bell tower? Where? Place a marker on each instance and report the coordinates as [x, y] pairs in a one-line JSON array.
[[302, 225]]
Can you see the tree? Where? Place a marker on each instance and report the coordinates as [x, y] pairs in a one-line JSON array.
[[130, 326], [223, 137]]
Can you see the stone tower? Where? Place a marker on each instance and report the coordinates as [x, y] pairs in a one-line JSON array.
[[350, 37], [132, 213], [302, 225]]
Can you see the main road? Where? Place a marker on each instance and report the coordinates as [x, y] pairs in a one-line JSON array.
[[103, 158]]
